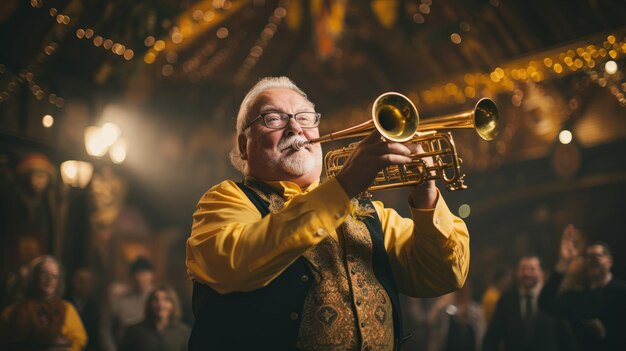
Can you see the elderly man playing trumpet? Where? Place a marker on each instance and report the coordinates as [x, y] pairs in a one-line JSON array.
[[282, 262]]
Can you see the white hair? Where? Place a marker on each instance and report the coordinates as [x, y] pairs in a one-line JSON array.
[[261, 86]]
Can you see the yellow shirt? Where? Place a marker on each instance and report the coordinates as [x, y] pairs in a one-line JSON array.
[[232, 248], [490, 300], [72, 328]]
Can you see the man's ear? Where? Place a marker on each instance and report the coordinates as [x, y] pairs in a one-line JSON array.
[[242, 142]]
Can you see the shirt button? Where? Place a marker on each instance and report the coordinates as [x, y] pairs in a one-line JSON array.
[[294, 316], [437, 221], [304, 278], [320, 232], [358, 302], [353, 270], [362, 324]]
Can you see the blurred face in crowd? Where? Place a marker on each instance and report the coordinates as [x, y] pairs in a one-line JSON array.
[[48, 279], [597, 262], [268, 150], [82, 284], [144, 279], [39, 181], [529, 273], [162, 306]]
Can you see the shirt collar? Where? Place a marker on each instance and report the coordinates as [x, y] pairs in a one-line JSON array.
[[286, 188], [534, 292]]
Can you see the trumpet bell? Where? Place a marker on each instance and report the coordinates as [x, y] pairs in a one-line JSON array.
[[486, 119], [395, 117]]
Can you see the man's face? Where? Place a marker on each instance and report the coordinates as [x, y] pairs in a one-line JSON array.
[[144, 280], [267, 150], [529, 272], [597, 263], [83, 283]]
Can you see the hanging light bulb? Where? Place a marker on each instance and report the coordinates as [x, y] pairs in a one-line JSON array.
[[76, 173]]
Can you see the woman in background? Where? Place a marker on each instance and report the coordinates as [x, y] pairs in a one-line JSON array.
[[42, 321], [161, 330]]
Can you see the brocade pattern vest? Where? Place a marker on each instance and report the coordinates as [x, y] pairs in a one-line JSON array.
[[293, 310]]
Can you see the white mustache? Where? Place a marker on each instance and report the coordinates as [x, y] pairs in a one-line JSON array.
[[289, 142]]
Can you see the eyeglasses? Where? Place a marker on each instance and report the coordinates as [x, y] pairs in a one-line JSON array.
[[49, 275], [594, 256], [279, 120]]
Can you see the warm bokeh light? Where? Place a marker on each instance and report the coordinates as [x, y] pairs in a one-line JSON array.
[[47, 121], [149, 41], [128, 54], [117, 152], [110, 133], [149, 58], [159, 45], [222, 33], [464, 210], [76, 173], [94, 143], [610, 67], [565, 136]]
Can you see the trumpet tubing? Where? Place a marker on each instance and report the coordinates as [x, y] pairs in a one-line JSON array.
[[446, 165], [396, 118]]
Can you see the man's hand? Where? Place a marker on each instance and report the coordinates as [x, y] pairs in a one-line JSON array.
[[569, 248], [369, 157]]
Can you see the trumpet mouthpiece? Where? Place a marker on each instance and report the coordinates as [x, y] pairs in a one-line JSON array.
[[299, 144]]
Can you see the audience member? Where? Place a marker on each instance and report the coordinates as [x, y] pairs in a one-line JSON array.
[[81, 295], [517, 321], [500, 282], [161, 330], [456, 322], [128, 308], [42, 320], [594, 303]]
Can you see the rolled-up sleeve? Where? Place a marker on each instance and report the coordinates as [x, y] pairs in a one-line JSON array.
[[429, 254], [233, 248]]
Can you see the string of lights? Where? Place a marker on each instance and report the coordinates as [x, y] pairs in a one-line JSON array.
[[116, 48], [202, 17], [28, 74], [596, 57], [256, 51]]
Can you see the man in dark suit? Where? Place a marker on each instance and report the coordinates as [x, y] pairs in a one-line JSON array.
[[582, 290], [517, 322]]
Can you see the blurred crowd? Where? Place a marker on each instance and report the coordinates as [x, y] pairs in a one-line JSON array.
[[37, 314], [576, 305]]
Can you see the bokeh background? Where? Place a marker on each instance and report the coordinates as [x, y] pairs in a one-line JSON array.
[[144, 95]]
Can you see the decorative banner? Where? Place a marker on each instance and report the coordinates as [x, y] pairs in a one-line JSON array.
[[294, 17], [386, 12], [328, 22]]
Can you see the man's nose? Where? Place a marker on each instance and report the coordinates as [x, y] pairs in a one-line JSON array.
[[293, 127]]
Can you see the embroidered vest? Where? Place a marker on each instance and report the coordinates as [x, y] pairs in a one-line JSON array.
[[290, 312]]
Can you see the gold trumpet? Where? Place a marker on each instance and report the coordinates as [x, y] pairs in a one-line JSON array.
[[396, 118]]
